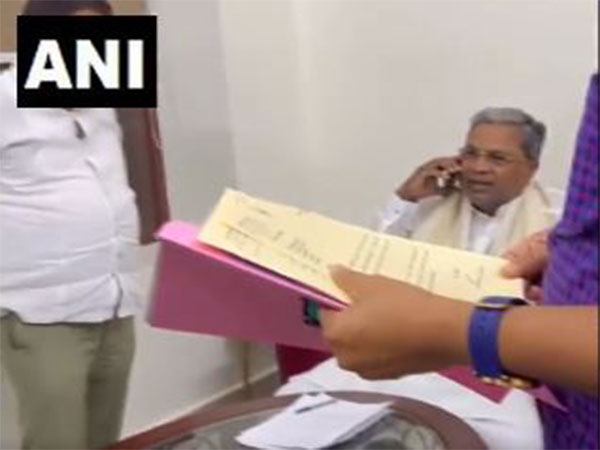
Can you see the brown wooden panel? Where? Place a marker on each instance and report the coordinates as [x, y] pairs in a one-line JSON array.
[[8, 13], [9, 9]]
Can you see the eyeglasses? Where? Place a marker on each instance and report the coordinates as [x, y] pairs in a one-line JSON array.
[[496, 158]]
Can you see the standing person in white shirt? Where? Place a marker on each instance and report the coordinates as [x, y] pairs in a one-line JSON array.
[[69, 234], [484, 199]]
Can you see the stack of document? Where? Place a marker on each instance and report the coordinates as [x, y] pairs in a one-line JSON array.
[[300, 245], [314, 421]]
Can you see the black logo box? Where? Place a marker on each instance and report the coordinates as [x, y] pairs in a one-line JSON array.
[[66, 30]]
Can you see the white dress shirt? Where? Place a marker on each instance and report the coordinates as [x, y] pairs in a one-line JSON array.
[[400, 217], [68, 220]]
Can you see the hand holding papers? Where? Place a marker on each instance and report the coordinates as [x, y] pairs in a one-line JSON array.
[[301, 245], [256, 262], [314, 421]]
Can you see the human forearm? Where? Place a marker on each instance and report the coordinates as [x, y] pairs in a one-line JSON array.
[[393, 329], [558, 345]]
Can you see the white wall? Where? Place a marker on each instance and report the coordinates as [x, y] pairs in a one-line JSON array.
[[265, 81], [334, 103]]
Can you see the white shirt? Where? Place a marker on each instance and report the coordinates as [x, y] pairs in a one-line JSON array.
[[68, 220], [401, 217]]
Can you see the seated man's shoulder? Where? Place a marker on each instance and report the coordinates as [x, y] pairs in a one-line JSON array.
[[554, 197]]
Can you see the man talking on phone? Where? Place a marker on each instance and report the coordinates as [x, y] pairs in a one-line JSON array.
[[484, 198]]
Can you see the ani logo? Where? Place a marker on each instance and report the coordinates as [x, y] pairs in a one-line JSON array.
[[91, 61]]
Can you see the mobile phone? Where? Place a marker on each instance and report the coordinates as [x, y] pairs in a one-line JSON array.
[[453, 182]]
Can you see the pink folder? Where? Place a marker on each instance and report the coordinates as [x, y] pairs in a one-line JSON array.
[[201, 289]]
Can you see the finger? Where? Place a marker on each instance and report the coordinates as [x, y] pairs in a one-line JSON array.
[[534, 293], [327, 317], [510, 270], [373, 375], [522, 266], [352, 362], [379, 372], [451, 169], [525, 261], [528, 268], [515, 253], [456, 168], [438, 163], [455, 164], [433, 172], [353, 283], [444, 165], [521, 262], [446, 174], [533, 244]]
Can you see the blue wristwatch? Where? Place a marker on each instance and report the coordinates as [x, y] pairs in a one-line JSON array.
[[483, 342]]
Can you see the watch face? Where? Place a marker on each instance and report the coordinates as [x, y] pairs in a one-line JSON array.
[[500, 302]]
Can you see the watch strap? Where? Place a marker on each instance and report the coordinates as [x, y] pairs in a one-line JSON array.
[[483, 335]]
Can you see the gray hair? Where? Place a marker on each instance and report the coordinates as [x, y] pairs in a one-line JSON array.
[[534, 132]]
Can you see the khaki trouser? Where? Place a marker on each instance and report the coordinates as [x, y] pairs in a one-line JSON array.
[[70, 380]]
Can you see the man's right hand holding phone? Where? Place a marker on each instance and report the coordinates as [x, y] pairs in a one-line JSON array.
[[436, 177]]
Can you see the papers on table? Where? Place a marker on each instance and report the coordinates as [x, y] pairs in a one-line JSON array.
[[314, 421], [301, 245]]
